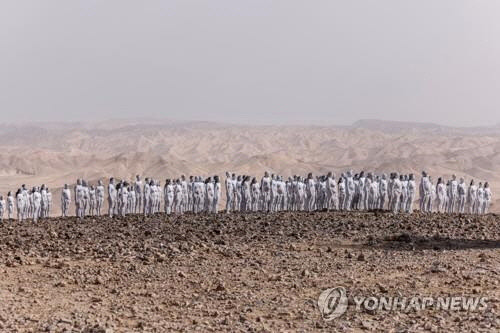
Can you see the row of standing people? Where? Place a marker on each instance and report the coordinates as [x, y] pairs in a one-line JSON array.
[[32, 203], [354, 191], [454, 196], [145, 197], [351, 191]]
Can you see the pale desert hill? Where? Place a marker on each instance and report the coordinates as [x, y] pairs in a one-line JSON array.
[[58, 153]]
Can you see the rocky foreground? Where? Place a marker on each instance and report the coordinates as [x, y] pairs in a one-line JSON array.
[[245, 272]]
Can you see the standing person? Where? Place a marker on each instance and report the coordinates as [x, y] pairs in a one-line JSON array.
[[209, 194], [342, 193], [441, 195], [217, 194], [190, 194], [21, 202], [37, 204], [487, 198], [331, 192], [350, 190], [382, 191], [139, 195], [265, 187], [246, 199], [92, 200], [168, 196], [462, 195], [229, 193], [77, 197], [397, 189], [472, 197], [453, 206], [44, 202], [123, 199], [412, 190], [10, 205], [147, 197], [422, 192], [65, 200], [480, 199], [178, 197], [111, 196], [99, 194], [311, 192], [49, 201], [255, 192], [2, 207], [132, 199]]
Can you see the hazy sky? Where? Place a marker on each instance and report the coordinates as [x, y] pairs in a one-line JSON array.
[[329, 62]]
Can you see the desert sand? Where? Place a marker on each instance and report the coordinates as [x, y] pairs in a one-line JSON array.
[[58, 153], [246, 272]]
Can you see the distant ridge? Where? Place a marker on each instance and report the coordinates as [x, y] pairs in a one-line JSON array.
[[58, 153], [395, 126]]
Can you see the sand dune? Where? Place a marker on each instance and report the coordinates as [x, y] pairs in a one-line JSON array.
[[58, 153]]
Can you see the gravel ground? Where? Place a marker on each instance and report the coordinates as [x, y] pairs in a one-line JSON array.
[[248, 272]]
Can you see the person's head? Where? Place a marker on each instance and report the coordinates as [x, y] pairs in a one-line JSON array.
[[462, 180], [472, 182], [412, 176], [266, 174], [78, 181], [309, 175], [480, 185], [486, 185], [424, 174], [216, 179], [137, 177], [227, 174], [453, 177], [361, 174], [183, 177], [111, 180], [239, 178], [99, 182], [440, 180], [9, 194]]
